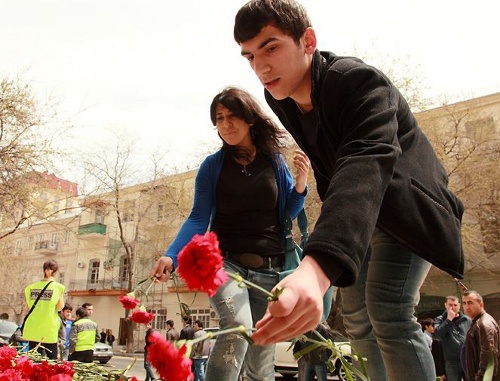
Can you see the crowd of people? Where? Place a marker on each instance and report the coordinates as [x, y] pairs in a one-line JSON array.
[[463, 344]]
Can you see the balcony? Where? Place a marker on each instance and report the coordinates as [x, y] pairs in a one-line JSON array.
[[86, 287], [46, 247], [92, 231]]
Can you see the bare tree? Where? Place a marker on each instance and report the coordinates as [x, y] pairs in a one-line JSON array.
[[468, 143], [26, 150], [145, 215]]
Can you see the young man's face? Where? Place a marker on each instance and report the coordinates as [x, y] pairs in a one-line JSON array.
[[90, 310], [472, 306], [67, 314], [453, 305], [282, 65]]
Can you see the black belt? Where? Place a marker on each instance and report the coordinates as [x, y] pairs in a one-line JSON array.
[[256, 261]]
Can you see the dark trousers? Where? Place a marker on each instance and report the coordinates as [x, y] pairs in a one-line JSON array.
[[47, 350], [82, 356]]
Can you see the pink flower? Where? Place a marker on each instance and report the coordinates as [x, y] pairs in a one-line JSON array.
[[171, 363], [129, 302], [200, 264], [141, 316]]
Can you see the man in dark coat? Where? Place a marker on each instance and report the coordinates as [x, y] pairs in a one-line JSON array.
[[387, 213]]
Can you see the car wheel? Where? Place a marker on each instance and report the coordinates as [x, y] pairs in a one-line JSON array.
[[288, 377], [341, 372], [103, 361]]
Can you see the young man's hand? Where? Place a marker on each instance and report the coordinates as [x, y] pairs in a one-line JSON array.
[[299, 307]]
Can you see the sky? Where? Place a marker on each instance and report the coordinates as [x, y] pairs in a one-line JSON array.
[[149, 69]]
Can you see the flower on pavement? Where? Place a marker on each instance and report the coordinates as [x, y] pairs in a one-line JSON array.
[[172, 364], [200, 264]]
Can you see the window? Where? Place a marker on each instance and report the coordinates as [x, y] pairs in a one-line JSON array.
[[124, 269], [160, 319], [94, 270], [203, 315], [67, 234], [30, 242], [161, 212], [53, 238], [490, 228], [61, 278], [128, 211], [99, 216], [480, 129], [69, 205]]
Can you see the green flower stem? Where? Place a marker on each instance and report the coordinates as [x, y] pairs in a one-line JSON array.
[[210, 335], [245, 283]]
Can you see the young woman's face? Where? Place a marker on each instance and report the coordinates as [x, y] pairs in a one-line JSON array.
[[232, 129], [282, 65]]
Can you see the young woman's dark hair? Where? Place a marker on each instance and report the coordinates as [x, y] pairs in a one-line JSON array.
[[265, 133], [288, 16]]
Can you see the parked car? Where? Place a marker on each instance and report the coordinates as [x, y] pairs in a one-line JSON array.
[[7, 328], [103, 353], [286, 364]]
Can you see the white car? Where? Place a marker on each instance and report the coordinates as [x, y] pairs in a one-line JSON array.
[[102, 353], [286, 364]]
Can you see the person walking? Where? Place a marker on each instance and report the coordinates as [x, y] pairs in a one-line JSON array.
[[110, 338], [312, 365], [242, 193], [387, 212], [450, 327], [147, 366], [435, 345], [64, 332], [172, 334], [102, 337], [199, 352], [187, 332], [43, 324], [83, 336], [482, 343]]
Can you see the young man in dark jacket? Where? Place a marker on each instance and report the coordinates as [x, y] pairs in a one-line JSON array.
[[387, 213], [450, 327]]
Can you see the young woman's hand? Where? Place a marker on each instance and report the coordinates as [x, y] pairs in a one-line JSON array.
[[162, 269], [302, 164]]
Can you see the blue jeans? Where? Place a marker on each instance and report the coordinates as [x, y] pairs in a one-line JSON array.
[[147, 366], [378, 313], [307, 371], [241, 306], [198, 368]]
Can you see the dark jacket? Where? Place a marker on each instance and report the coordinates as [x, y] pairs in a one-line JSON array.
[[481, 342], [452, 334], [373, 167], [187, 333]]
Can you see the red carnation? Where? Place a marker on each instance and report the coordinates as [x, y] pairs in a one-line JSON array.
[[200, 264], [129, 302], [170, 362], [141, 316]]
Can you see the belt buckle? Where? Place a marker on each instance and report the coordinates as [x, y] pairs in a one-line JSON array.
[[252, 261]]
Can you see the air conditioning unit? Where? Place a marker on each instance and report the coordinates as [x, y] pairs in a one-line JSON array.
[[81, 264], [213, 315]]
